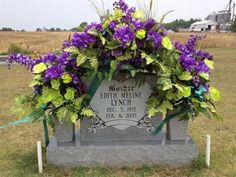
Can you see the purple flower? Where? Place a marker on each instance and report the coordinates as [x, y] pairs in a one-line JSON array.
[[149, 24], [196, 80], [113, 25], [121, 5], [187, 62], [116, 52], [96, 26], [53, 72], [83, 40], [49, 58], [66, 44], [204, 55], [138, 25], [21, 59], [124, 35], [156, 38], [202, 67]]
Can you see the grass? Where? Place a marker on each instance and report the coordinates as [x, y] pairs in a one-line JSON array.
[[43, 42], [18, 144]]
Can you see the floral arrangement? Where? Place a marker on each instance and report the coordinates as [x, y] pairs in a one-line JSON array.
[[125, 41]]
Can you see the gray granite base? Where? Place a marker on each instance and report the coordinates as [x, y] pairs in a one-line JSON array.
[[147, 153]]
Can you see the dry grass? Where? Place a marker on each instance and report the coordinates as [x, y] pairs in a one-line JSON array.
[[213, 40], [17, 144], [44, 42], [40, 42]]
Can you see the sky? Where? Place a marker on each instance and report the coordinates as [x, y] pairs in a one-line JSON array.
[[66, 14]]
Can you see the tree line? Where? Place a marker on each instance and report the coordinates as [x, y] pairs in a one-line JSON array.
[[174, 26], [180, 23]]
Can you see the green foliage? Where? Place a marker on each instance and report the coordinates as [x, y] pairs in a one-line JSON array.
[[233, 26], [215, 94], [166, 42], [185, 76], [66, 78], [209, 63], [175, 25], [138, 15], [140, 34], [23, 105], [39, 68], [55, 84], [81, 59], [15, 48], [70, 94], [87, 112]]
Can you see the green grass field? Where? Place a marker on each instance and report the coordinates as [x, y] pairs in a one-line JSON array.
[[18, 144]]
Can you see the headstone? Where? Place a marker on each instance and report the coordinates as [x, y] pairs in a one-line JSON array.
[[120, 135], [121, 114]]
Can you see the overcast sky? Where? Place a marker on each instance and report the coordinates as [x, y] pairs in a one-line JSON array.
[[30, 14]]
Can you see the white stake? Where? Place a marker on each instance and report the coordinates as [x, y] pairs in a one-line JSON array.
[[208, 150], [40, 159]]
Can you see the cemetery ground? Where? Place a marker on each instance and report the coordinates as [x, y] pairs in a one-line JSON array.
[[18, 144]]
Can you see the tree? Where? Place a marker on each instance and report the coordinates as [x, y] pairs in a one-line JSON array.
[[58, 29], [38, 30], [233, 26], [6, 29], [180, 23]]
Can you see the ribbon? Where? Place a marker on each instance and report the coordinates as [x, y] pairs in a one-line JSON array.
[[166, 120], [21, 121]]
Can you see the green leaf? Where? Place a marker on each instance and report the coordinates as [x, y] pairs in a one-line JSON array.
[[78, 102], [141, 34], [72, 50], [133, 72], [186, 92], [93, 32], [117, 14], [170, 95], [35, 82], [214, 94], [70, 94], [166, 42], [103, 40], [150, 59], [167, 85], [134, 46], [113, 45], [58, 101], [205, 76], [185, 76], [49, 94], [179, 87], [73, 117], [61, 113], [81, 59], [209, 63], [66, 78], [87, 112], [138, 15], [114, 64], [94, 63], [152, 111], [55, 84], [39, 68]]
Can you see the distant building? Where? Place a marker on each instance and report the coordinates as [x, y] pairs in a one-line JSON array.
[[212, 17], [204, 26], [217, 21]]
